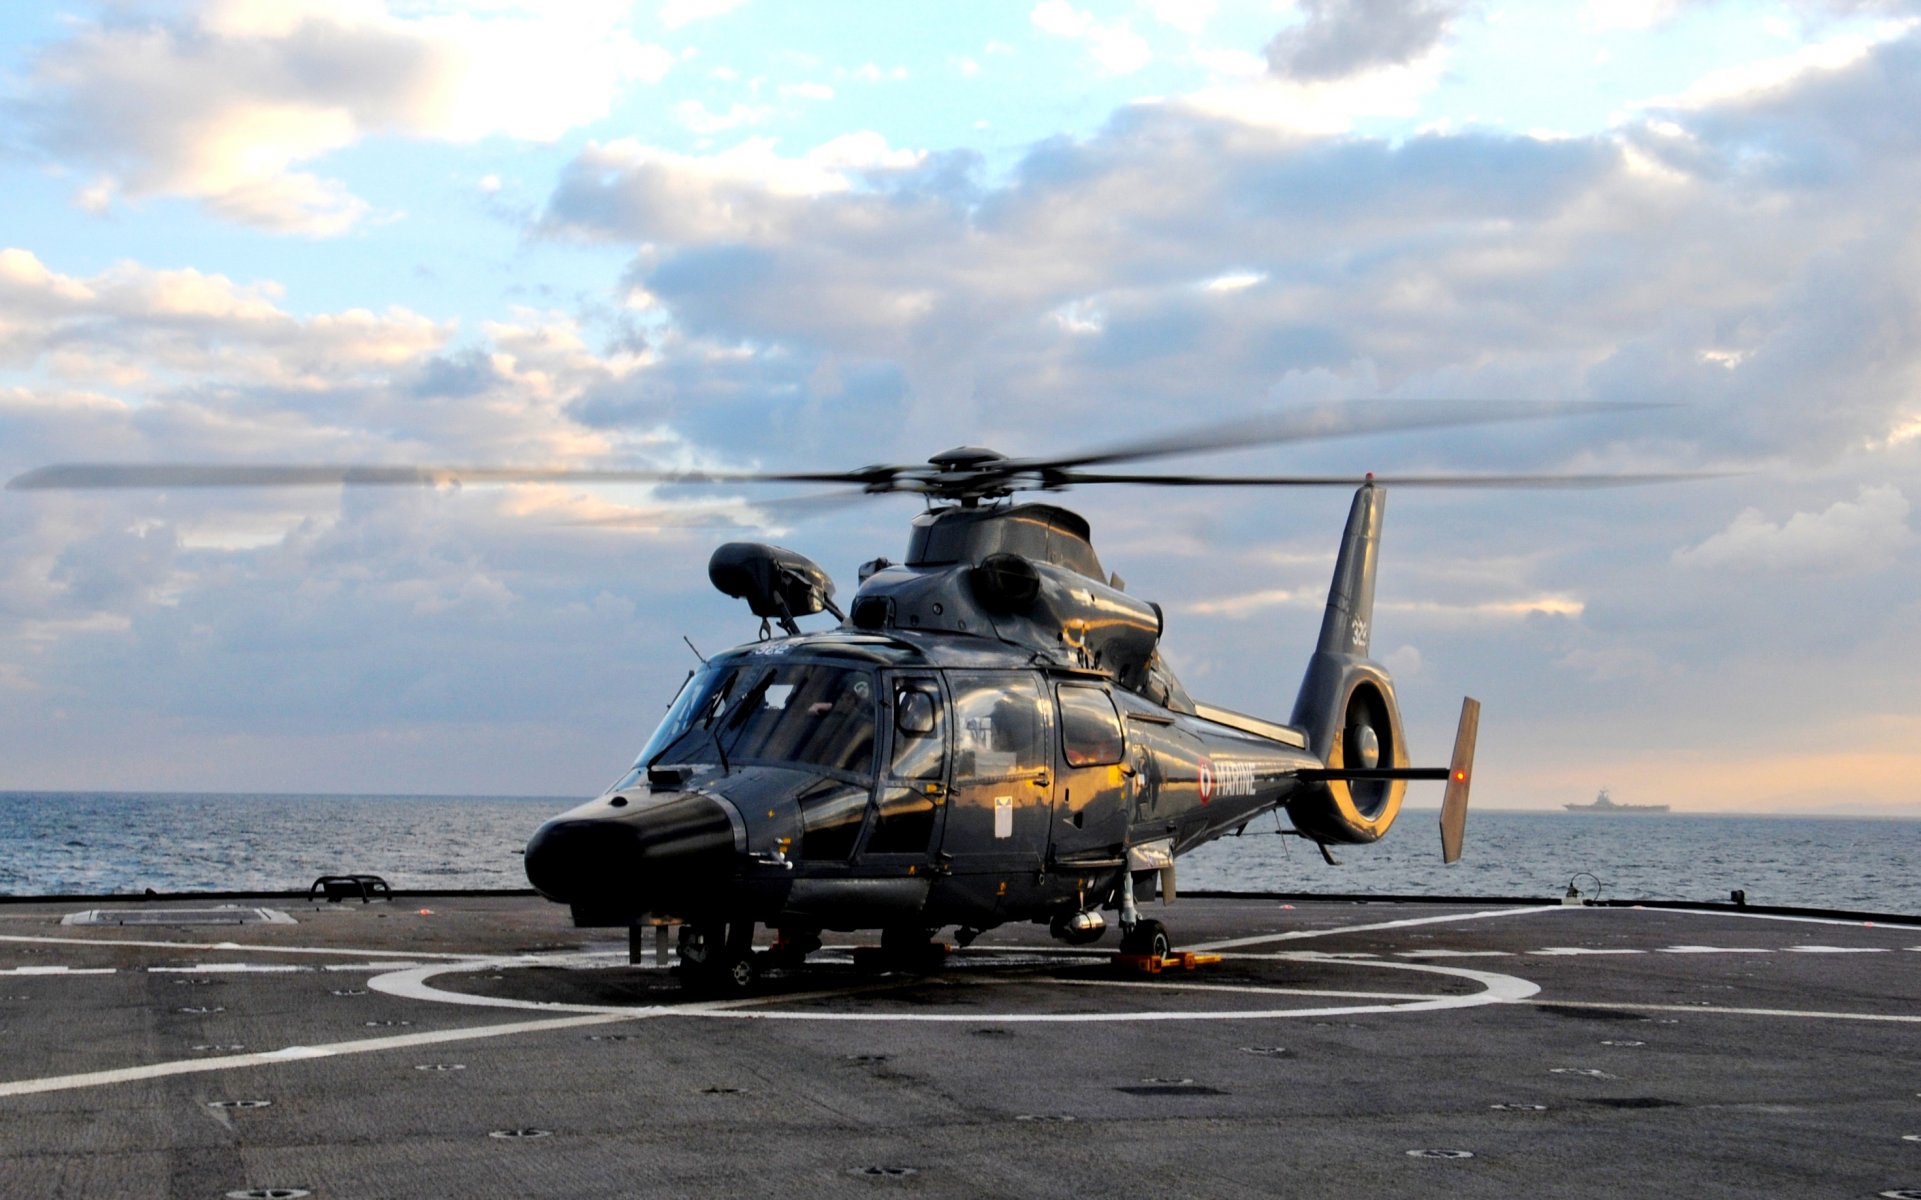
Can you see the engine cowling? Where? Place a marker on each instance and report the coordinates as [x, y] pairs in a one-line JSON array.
[[1368, 735]]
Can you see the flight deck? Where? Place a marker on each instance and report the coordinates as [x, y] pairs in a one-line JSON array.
[[480, 1045]]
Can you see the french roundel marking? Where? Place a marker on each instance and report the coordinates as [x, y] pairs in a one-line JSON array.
[[1206, 780]]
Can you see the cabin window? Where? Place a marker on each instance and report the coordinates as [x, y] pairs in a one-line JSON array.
[[998, 725], [1090, 728]]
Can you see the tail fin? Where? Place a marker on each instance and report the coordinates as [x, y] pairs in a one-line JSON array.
[[1350, 599], [1346, 626], [1346, 705]]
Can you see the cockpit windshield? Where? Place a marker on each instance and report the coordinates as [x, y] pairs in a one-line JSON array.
[[788, 714]]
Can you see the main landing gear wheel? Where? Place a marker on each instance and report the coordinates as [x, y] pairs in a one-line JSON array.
[[1148, 939]]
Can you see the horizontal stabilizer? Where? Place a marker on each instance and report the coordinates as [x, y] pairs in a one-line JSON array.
[[1360, 774], [1460, 775]]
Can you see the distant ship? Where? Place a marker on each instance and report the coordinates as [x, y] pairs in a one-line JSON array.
[[1604, 803]]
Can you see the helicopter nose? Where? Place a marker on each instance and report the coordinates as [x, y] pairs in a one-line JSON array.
[[646, 860]]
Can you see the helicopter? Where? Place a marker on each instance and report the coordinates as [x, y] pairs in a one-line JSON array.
[[990, 732]]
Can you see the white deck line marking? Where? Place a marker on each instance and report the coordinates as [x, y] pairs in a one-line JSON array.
[[1897, 926], [413, 984], [226, 968], [1500, 989], [191, 1066], [1836, 949], [1183, 986], [1713, 950], [58, 971], [1453, 954], [237, 946], [1297, 934], [1903, 1018], [1572, 951]]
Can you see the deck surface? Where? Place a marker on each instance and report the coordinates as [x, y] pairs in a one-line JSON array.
[[392, 1049]]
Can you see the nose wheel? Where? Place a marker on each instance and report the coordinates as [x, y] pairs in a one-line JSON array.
[[718, 959]]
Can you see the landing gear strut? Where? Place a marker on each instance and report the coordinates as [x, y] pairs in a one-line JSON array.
[[1140, 935]]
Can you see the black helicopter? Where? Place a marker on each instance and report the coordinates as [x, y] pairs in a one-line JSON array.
[[989, 735]]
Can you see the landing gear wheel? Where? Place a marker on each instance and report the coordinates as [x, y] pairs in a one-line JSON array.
[[1148, 939], [734, 975], [718, 959]]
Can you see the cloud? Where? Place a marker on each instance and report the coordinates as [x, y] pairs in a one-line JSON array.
[[1341, 38], [1652, 14], [136, 329], [1113, 45], [1750, 253], [1188, 16], [223, 101], [676, 13], [1847, 538]]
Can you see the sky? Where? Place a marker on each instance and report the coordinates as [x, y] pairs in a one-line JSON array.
[[755, 235]]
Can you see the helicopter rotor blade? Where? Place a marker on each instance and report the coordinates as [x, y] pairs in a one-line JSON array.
[[713, 514], [1322, 423], [993, 476], [1070, 478], [100, 476]]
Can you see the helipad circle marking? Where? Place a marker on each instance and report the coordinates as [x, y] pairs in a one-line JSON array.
[[412, 983]]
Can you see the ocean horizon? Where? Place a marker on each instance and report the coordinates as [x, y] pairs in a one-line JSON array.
[[113, 842]]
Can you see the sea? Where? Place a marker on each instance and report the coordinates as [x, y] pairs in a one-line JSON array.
[[98, 843]]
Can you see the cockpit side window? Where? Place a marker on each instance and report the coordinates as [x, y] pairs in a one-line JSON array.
[[918, 742], [1091, 733]]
